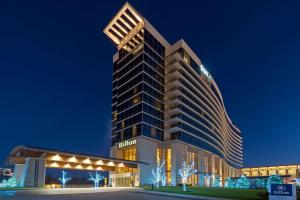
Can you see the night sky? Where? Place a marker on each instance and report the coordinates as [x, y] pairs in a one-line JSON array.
[[56, 69]]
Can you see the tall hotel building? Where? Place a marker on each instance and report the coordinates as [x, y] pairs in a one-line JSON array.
[[166, 107]]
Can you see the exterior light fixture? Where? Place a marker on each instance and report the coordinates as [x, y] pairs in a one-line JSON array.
[[54, 164], [73, 159], [87, 161], [121, 165], [99, 162], [56, 157], [90, 167], [78, 166], [99, 168]]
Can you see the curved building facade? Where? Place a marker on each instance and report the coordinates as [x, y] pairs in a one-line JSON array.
[[195, 112], [166, 108]]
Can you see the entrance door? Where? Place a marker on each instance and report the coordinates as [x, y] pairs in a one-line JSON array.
[[125, 182]]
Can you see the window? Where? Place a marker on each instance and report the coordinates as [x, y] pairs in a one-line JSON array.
[[206, 165], [136, 99], [115, 115], [213, 164], [158, 156], [134, 131], [153, 132], [129, 154], [169, 165]]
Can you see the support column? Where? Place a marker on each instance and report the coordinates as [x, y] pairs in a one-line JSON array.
[[31, 174], [201, 181]]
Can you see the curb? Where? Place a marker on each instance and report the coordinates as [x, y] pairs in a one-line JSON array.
[[187, 196]]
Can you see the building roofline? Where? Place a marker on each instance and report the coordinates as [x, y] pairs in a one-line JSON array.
[[55, 151], [261, 166]]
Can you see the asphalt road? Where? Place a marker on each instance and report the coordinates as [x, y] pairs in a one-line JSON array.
[[115, 194]]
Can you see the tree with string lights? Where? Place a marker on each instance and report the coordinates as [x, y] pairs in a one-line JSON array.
[[64, 179], [186, 171], [158, 174], [96, 179]]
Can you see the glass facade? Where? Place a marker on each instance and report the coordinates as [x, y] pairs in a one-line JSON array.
[[138, 90]]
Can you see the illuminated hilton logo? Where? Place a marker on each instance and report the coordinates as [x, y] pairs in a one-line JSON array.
[[126, 143], [204, 71]]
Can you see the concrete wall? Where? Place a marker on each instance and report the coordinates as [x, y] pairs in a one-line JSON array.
[[31, 174], [146, 152]]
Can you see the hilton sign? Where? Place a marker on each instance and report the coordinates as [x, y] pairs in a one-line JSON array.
[[126, 143], [204, 71], [282, 192]]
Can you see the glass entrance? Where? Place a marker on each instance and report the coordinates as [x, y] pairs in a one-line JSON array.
[[125, 182]]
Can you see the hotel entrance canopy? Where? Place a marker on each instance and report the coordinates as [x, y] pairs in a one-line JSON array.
[[67, 160]]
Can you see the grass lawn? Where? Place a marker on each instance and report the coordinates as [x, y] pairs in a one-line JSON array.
[[245, 194], [17, 188]]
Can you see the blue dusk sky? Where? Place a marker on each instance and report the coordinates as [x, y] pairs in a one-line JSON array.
[[56, 70]]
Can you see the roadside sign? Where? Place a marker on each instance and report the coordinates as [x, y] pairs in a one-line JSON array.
[[282, 192]]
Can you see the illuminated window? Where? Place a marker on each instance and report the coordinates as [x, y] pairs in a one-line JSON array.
[[115, 115], [186, 57], [136, 99], [206, 165], [129, 154], [213, 164], [158, 156], [134, 131], [123, 124], [169, 165], [221, 167]]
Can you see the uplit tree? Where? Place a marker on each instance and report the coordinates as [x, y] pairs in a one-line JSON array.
[[186, 171], [261, 183], [208, 178], [158, 174], [11, 182], [243, 183], [297, 181], [64, 179], [274, 179], [96, 179], [229, 183], [216, 181]]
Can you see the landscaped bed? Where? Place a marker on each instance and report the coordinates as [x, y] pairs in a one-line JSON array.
[[16, 188], [245, 194]]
